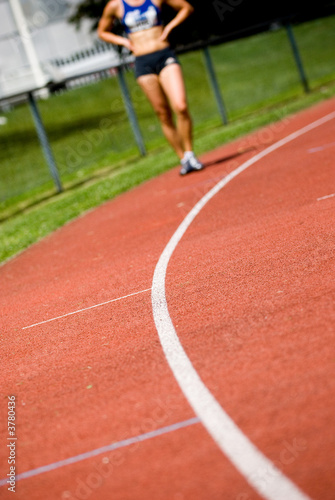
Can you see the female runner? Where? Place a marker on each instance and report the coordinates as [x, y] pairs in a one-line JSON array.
[[156, 67]]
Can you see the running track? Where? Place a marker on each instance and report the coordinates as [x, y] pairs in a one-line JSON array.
[[177, 342]]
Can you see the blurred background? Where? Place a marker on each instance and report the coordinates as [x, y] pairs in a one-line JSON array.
[[70, 108]]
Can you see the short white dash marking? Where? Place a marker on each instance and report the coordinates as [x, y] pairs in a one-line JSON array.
[[321, 148], [85, 309], [326, 197], [104, 449]]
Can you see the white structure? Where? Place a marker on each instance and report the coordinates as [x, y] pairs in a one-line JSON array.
[[33, 34]]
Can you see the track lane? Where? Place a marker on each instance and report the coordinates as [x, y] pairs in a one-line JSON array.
[[100, 376], [250, 233], [122, 241]]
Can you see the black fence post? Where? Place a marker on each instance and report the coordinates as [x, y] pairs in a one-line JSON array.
[[297, 56], [215, 85], [44, 141], [130, 111]]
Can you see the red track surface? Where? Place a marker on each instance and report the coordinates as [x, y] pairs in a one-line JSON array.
[[250, 290]]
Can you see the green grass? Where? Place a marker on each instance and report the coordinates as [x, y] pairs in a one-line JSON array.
[[94, 147]]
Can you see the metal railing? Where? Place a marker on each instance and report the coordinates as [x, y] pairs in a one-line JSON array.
[[101, 67]]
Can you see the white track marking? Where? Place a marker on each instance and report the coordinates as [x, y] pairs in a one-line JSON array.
[[104, 449], [326, 197], [85, 309], [259, 471], [321, 148]]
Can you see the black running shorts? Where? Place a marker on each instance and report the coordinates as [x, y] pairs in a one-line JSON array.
[[153, 63]]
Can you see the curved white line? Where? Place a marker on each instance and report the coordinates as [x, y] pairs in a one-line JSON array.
[[259, 471]]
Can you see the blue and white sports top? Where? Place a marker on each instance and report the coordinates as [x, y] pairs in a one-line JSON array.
[[142, 17]]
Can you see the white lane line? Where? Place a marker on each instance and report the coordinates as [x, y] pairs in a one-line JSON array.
[[326, 197], [104, 449], [321, 148], [86, 309], [251, 463]]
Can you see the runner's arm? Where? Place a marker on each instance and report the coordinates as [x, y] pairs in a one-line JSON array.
[[106, 24]]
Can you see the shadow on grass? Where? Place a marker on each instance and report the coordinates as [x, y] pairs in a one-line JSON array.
[[55, 132], [71, 187]]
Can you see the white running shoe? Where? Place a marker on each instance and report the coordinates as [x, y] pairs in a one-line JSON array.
[[192, 164]]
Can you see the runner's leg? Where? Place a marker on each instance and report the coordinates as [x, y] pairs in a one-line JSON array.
[[171, 79], [152, 88]]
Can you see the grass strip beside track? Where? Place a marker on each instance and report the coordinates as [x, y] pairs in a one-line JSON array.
[[30, 224]]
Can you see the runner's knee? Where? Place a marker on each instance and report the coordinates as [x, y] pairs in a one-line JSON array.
[[181, 109], [164, 114]]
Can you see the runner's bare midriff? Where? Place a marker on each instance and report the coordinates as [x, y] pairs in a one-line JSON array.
[[147, 41]]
